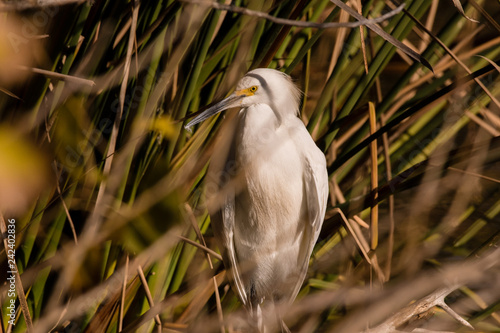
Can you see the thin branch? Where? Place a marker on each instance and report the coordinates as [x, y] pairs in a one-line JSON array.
[[10, 6], [66, 209], [388, 171], [429, 23], [491, 179], [58, 76], [197, 230], [302, 24], [362, 248], [434, 299], [204, 248], [9, 93], [452, 313], [362, 37], [63, 313], [203, 294], [461, 10], [122, 301], [359, 221], [148, 293], [374, 178], [339, 43], [484, 125]]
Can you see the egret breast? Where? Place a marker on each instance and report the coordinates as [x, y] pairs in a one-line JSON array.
[[270, 208]]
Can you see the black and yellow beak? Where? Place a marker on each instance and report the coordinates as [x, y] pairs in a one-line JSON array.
[[233, 100]]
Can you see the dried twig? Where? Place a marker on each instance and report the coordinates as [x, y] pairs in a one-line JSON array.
[[362, 37], [302, 24], [204, 248], [10, 6], [434, 299], [58, 76], [122, 301], [66, 209], [374, 178], [148, 294], [362, 244], [461, 10], [388, 174]]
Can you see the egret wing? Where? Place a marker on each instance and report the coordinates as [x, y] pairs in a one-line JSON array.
[[316, 186], [315, 178]]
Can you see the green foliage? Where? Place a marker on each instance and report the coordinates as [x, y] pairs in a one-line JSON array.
[[104, 182]]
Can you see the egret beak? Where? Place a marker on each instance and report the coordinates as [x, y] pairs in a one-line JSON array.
[[231, 101]]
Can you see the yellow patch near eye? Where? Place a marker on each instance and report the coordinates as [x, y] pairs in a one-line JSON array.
[[247, 92]]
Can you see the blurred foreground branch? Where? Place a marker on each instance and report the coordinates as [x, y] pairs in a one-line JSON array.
[[421, 306], [9, 6], [435, 298]]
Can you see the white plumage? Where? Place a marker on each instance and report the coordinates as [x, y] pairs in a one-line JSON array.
[[276, 190]]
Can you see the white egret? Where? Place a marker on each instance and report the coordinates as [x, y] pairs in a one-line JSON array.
[[272, 216]]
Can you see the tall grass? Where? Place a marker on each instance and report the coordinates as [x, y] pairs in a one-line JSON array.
[[108, 190]]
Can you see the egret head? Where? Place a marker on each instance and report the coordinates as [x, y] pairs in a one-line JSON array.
[[260, 86]]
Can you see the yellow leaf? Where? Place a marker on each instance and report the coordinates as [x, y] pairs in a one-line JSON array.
[[164, 126], [23, 172]]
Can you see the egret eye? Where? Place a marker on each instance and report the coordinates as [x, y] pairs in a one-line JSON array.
[[253, 89]]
